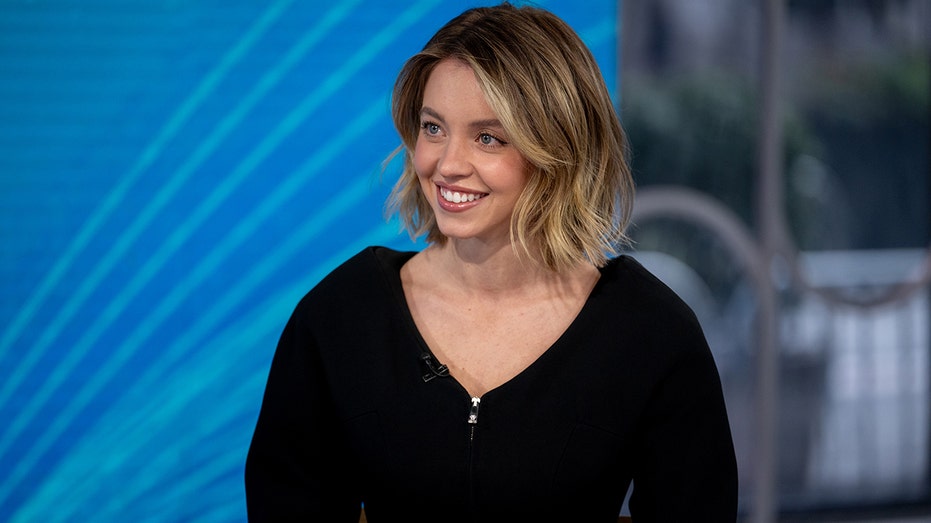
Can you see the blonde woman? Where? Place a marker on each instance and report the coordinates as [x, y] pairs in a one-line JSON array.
[[516, 369]]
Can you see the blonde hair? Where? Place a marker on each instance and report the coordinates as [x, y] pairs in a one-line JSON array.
[[545, 87]]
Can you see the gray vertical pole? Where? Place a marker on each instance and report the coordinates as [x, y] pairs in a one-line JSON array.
[[769, 203]]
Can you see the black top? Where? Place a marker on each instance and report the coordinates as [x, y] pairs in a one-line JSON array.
[[356, 411]]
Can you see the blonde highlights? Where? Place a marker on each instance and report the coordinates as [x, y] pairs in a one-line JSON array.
[[545, 87]]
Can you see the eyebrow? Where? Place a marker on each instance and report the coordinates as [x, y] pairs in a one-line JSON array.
[[477, 124]]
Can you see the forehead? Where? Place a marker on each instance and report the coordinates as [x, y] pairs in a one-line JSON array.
[[453, 83]]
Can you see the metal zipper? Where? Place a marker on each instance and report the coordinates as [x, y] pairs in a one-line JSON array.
[[473, 410], [473, 422]]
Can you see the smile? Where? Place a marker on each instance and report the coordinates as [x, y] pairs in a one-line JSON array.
[[460, 197]]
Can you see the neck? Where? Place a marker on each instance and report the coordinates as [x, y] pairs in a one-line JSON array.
[[486, 269]]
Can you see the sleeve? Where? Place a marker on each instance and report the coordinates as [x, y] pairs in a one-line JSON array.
[[297, 467], [687, 469]]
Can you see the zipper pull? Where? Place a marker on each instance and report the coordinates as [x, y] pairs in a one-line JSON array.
[[473, 411]]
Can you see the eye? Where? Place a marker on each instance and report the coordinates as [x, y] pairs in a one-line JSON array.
[[490, 140], [430, 128]]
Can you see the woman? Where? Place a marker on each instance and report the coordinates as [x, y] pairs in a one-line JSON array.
[[510, 371]]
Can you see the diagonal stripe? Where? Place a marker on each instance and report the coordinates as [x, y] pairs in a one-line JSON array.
[[106, 264], [112, 258], [148, 271], [158, 259], [115, 361], [251, 224], [174, 242], [117, 195], [58, 426], [106, 447]]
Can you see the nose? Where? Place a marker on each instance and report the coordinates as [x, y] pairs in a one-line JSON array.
[[454, 161]]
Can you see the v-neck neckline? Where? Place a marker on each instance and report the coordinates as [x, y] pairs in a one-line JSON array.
[[391, 265]]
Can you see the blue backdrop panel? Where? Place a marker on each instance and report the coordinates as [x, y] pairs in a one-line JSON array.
[[174, 176]]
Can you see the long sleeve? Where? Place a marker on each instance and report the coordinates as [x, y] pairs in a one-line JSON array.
[[687, 469], [297, 469]]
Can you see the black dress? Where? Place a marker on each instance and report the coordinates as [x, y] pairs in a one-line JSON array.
[[357, 410]]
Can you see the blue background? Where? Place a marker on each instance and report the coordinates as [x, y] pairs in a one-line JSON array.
[[174, 176]]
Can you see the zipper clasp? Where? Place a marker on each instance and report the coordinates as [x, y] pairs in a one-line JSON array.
[[473, 411]]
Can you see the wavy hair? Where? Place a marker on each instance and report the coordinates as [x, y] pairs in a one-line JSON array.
[[546, 89]]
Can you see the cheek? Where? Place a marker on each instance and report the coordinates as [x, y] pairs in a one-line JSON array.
[[518, 175], [423, 163]]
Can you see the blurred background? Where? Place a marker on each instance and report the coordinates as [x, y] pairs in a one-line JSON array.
[[174, 176], [782, 154]]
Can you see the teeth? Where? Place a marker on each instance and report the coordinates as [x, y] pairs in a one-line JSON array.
[[457, 197]]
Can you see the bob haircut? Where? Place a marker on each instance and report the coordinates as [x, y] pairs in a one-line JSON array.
[[545, 87]]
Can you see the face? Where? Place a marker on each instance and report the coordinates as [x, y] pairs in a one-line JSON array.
[[468, 170]]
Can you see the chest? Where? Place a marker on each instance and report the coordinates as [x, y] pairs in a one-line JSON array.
[[486, 344], [544, 456]]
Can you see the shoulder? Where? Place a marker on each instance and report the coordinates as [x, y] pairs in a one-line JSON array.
[[648, 315], [369, 265], [373, 271], [639, 293]]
